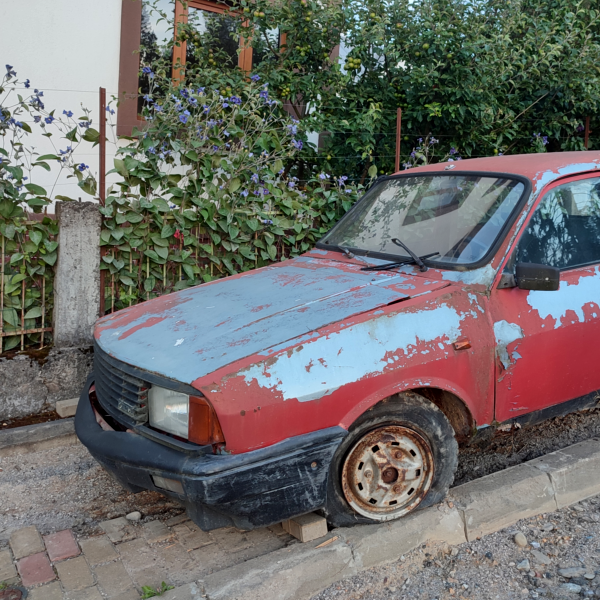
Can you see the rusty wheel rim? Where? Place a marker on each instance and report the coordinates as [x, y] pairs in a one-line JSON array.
[[387, 473]]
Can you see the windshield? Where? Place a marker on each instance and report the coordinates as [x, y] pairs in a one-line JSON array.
[[458, 216]]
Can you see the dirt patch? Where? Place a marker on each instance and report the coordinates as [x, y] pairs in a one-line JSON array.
[[44, 417], [507, 449]]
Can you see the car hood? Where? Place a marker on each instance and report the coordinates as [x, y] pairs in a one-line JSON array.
[[191, 333]]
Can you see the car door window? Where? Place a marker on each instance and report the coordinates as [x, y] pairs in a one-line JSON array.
[[564, 231]]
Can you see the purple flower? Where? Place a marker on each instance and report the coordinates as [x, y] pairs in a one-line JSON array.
[[211, 123], [68, 113], [49, 119], [255, 78], [158, 108], [85, 124], [82, 167], [205, 109], [193, 101], [244, 193], [433, 141], [264, 94], [200, 91], [291, 184], [225, 104], [147, 98], [297, 144], [184, 116], [292, 129], [580, 128], [452, 150], [148, 71], [110, 110], [226, 133], [323, 176], [254, 177], [235, 100], [27, 83], [420, 140], [37, 118], [9, 71], [265, 192]]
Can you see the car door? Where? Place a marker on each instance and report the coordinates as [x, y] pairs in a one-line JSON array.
[[547, 342]]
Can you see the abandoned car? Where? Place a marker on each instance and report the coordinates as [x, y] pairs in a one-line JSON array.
[[451, 298]]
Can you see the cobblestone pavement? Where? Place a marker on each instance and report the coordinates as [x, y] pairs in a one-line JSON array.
[[127, 555], [559, 558]]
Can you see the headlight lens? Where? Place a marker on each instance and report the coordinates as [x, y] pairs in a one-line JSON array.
[[169, 411]]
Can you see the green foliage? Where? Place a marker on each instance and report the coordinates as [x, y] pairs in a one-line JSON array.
[[28, 246], [150, 592]]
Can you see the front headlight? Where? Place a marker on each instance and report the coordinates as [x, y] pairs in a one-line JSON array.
[[169, 411]]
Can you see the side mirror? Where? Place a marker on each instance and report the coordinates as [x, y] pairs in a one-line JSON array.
[[530, 276]]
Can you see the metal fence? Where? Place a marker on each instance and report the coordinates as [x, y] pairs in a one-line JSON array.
[[26, 293]]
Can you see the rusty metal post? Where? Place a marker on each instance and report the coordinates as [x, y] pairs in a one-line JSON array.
[[102, 144], [587, 133], [398, 138], [102, 181]]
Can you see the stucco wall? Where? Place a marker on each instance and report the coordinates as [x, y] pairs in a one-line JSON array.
[[68, 49]]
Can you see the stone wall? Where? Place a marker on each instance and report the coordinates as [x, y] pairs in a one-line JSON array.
[[32, 384]]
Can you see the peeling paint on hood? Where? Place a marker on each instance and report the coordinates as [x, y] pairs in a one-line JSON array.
[[320, 367], [189, 334]]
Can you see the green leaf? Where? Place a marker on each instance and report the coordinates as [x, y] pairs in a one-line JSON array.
[[34, 313], [149, 283], [234, 185], [189, 271], [72, 135], [167, 231], [127, 280], [48, 157], [10, 316], [35, 236], [15, 258], [192, 155], [11, 342], [91, 135], [161, 251], [152, 255], [372, 171], [49, 259], [120, 167], [7, 208]]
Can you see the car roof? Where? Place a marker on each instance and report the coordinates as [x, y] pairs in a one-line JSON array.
[[539, 168]]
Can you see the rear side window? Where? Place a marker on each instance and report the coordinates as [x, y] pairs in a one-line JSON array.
[[564, 232]]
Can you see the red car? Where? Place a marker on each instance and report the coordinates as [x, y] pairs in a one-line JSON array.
[[451, 298]]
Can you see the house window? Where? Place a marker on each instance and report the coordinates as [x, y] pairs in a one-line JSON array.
[[144, 33]]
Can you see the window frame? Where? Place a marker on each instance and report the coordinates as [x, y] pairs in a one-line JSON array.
[[492, 251], [180, 48], [557, 183]]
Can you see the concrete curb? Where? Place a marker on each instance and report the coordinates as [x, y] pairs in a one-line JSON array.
[[472, 510], [33, 438]]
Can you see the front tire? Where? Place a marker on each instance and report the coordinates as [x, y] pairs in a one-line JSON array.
[[399, 456]]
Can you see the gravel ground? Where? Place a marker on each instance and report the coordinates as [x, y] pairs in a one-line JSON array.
[[561, 559], [63, 488]]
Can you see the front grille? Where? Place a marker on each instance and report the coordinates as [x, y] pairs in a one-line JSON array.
[[123, 396]]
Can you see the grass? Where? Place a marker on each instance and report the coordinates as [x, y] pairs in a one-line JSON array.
[[150, 592]]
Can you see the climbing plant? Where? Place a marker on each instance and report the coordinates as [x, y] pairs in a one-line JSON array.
[[205, 190], [28, 238]]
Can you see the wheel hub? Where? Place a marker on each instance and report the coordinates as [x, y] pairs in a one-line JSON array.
[[387, 473]]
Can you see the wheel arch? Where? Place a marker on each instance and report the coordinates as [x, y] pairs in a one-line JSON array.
[[452, 404]]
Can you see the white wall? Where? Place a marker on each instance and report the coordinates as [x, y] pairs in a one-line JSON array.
[[68, 49]]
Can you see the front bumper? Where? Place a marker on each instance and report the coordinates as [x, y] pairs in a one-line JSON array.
[[247, 490]]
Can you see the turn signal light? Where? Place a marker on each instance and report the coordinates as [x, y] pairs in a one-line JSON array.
[[204, 428]]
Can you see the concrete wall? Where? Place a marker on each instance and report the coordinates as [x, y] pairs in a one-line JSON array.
[[29, 385], [68, 49]]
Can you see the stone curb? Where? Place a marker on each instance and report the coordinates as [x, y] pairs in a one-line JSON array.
[[471, 510], [34, 438]]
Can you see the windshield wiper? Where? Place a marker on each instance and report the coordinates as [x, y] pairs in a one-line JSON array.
[[414, 259]]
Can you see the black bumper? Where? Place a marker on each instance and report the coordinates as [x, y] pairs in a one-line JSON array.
[[247, 490]]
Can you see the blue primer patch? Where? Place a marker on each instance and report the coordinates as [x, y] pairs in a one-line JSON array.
[[213, 325], [568, 297], [318, 368]]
